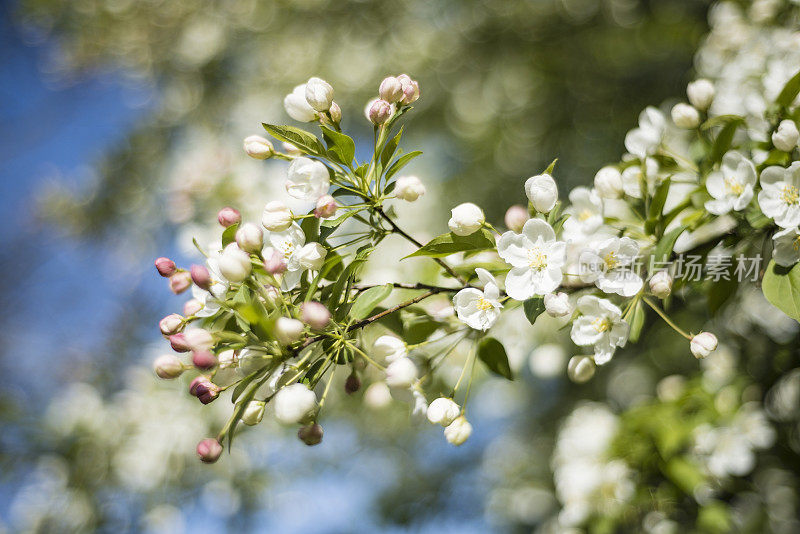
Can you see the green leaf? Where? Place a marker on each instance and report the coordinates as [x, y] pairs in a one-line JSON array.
[[493, 354], [310, 227], [781, 286], [302, 139], [663, 249], [635, 318], [549, 169], [723, 141], [368, 299], [533, 308], [229, 235], [351, 270], [659, 199], [401, 162], [789, 91], [390, 148], [447, 244], [341, 147]]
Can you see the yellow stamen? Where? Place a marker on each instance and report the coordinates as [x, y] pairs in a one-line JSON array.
[[790, 195], [484, 304], [585, 214], [733, 186], [288, 249], [611, 260], [601, 324], [537, 259]]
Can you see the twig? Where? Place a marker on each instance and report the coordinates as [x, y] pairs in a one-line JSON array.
[[418, 285]]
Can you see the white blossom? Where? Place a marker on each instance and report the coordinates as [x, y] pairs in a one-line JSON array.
[[636, 176], [234, 263], [409, 188], [389, 348], [732, 185], [600, 325], [479, 309], [535, 257], [297, 106], [319, 94], [700, 93], [276, 216], [645, 140], [466, 219], [294, 403], [457, 432], [685, 116], [787, 247], [557, 304], [288, 330], [779, 198], [542, 192], [586, 214], [608, 183], [786, 136], [298, 255], [401, 373], [308, 179], [443, 411], [609, 264]]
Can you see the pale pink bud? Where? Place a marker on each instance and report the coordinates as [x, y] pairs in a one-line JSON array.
[[292, 150], [228, 216], [199, 339], [391, 89], [191, 307], [336, 113], [703, 344], [165, 267], [257, 147], [516, 217], [200, 276], [288, 330], [204, 389], [203, 359], [250, 238], [311, 434], [178, 343], [180, 282], [315, 315], [274, 262], [380, 111], [168, 366], [171, 324], [411, 90], [326, 207], [209, 450]]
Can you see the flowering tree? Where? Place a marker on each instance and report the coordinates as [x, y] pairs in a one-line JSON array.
[[278, 311]]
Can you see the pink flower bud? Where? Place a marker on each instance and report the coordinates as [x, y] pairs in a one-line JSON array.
[[200, 276], [274, 262], [336, 113], [326, 207], [228, 216], [516, 217], [180, 282], [178, 343], [352, 384], [199, 339], [250, 238], [391, 89], [209, 450], [204, 360], [191, 307], [168, 366], [310, 435], [292, 150], [315, 315], [165, 267], [411, 90], [171, 324], [380, 111], [204, 389]]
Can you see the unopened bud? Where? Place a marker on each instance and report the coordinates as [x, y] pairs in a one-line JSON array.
[[209, 450], [326, 207], [234, 263], [250, 238], [310, 434], [274, 262], [703, 344], [335, 112], [253, 413], [411, 90], [171, 324], [180, 282], [191, 307], [200, 276], [228, 217], [608, 183], [685, 116], [401, 373], [199, 339], [580, 369], [391, 90], [516, 217], [276, 217], [458, 431], [352, 384], [542, 192], [380, 111], [661, 284], [319, 94], [178, 343], [257, 147], [409, 188], [557, 304], [786, 136], [168, 366], [700, 93], [315, 315], [204, 360], [204, 389], [165, 267], [287, 330], [443, 411]]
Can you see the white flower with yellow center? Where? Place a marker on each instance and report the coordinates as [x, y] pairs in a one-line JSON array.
[[645, 140], [479, 309], [586, 214], [610, 265], [536, 259], [601, 325], [732, 185], [787, 247], [298, 255], [779, 198]]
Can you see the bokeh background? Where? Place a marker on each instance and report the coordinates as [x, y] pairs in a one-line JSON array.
[[120, 132]]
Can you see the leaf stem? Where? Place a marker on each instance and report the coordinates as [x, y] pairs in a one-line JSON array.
[[667, 319]]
